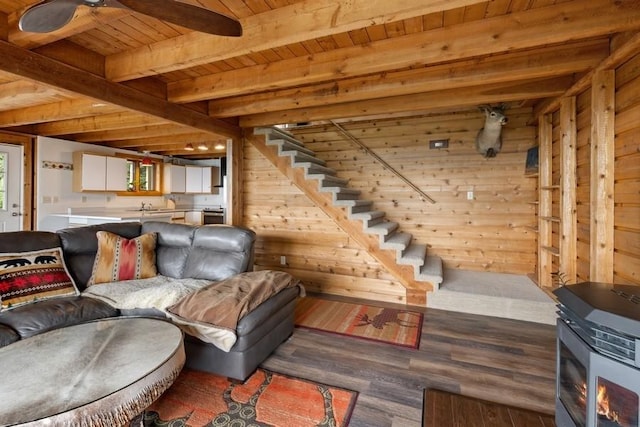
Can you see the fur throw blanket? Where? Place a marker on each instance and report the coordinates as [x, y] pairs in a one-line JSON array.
[[207, 310]]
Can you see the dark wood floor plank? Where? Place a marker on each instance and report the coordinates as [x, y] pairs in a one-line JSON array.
[[495, 415], [471, 412], [502, 360]]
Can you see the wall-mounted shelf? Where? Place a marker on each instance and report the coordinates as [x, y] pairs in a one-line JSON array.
[[550, 187]]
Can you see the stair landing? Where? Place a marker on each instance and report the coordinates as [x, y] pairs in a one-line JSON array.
[[510, 296]]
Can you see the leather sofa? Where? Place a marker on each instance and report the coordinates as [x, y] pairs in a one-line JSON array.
[[182, 251]]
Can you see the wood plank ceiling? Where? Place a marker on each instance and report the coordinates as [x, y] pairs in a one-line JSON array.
[[122, 79]]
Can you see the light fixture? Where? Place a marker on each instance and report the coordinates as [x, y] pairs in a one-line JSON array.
[[202, 147], [146, 160], [189, 147], [219, 146]]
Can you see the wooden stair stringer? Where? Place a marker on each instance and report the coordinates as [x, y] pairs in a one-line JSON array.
[[416, 290]]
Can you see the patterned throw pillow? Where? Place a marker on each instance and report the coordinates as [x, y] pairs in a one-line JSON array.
[[31, 276], [119, 258]]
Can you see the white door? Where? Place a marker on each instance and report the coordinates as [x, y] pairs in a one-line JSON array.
[[11, 184]]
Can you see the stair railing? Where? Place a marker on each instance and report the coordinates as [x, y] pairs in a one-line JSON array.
[[367, 150]]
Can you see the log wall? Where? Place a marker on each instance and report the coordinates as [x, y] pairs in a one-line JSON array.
[[626, 256], [583, 190], [492, 232], [626, 179]]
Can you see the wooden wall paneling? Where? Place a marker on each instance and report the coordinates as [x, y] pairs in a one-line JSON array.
[[545, 137], [626, 257], [602, 175], [568, 190], [583, 183]]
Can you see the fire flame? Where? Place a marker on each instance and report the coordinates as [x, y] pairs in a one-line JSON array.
[[603, 405]]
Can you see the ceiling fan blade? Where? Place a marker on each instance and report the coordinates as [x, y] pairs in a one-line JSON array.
[[186, 15], [48, 16]]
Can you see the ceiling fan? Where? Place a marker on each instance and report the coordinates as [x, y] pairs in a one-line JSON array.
[[54, 14]]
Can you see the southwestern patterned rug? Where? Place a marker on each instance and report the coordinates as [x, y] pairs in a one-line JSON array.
[[392, 326], [198, 399]]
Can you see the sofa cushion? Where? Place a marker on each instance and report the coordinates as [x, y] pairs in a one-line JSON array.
[[81, 244], [21, 241], [219, 252], [173, 246], [26, 277], [119, 258], [7, 335], [32, 319]]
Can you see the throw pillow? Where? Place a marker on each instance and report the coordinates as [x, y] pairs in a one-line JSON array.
[[119, 258], [27, 277]]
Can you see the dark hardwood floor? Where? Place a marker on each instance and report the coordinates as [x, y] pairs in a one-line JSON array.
[[499, 360]]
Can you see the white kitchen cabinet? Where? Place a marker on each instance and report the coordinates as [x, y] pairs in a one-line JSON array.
[[198, 179], [95, 172], [193, 217], [194, 179], [174, 179], [206, 180], [116, 174]]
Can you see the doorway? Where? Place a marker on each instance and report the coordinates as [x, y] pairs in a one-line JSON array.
[[11, 187]]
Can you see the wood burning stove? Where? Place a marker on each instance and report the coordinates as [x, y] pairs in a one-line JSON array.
[[598, 356]]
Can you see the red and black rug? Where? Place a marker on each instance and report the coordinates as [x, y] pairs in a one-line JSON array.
[[266, 398]]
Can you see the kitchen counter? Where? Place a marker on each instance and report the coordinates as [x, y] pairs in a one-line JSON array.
[[90, 217]]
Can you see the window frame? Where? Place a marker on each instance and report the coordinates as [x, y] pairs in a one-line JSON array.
[[158, 165]]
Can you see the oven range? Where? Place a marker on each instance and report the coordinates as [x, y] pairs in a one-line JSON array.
[[213, 216]]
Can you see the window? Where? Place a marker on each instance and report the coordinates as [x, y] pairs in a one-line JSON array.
[[143, 177]]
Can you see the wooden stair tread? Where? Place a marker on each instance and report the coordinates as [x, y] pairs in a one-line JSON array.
[[431, 271], [398, 241], [413, 255]]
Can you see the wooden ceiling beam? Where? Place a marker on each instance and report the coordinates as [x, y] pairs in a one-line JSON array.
[[63, 110], [522, 30], [519, 66], [168, 130], [103, 122], [41, 69], [426, 101], [194, 138], [24, 92], [299, 22]]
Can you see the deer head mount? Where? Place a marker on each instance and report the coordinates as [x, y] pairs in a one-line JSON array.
[[489, 138]]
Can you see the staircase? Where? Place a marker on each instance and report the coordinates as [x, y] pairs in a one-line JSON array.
[[394, 249]]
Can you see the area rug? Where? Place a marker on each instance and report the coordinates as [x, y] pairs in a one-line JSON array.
[[392, 326], [198, 399]]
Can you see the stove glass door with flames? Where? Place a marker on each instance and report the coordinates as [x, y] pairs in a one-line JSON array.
[[616, 405], [594, 390], [572, 386]]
